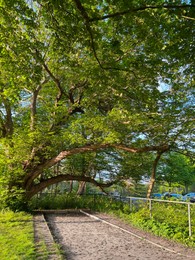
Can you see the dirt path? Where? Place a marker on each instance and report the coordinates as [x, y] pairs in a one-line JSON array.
[[86, 238]]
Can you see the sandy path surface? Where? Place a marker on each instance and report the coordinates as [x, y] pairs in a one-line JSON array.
[[86, 238]]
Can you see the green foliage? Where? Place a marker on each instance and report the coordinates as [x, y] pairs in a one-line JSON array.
[[167, 221], [176, 169], [15, 201], [16, 236], [72, 201], [95, 73]]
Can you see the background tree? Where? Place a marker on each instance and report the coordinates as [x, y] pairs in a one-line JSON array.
[[177, 169]]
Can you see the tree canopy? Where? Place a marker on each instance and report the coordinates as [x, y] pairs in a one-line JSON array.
[[176, 169], [86, 76]]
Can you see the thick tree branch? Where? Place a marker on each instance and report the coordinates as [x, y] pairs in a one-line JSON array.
[[45, 183], [91, 148], [163, 148], [49, 163], [88, 148]]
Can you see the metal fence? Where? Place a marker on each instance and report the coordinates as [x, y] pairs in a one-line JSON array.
[[138, 202]]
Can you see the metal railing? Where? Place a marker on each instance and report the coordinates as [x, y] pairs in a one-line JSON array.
[[135, 200]]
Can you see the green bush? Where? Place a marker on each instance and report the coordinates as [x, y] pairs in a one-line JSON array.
[[72, 201]]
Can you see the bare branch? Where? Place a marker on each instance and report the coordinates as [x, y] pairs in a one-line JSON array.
[[55, 79], [189, 18], [143, 8]]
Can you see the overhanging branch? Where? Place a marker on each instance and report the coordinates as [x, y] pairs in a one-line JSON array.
[[53, 180], [87, 148]]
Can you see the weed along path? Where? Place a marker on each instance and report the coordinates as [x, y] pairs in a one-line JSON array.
[[85, 236]]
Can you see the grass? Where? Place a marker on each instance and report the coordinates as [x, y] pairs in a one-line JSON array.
[[16, 236], [166, 221]]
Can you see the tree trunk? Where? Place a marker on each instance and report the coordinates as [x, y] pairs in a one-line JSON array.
[[81, 188], [36, 188], [153, 175], [186, 188], [71, 186]]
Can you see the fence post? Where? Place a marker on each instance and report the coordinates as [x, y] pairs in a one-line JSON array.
[[130, 204], [189, 221], [150, 207]]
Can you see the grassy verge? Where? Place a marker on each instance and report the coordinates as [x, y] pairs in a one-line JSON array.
[[16, 236], [166, 221]]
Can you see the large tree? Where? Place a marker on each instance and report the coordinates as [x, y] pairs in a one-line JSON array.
[[83, 76]]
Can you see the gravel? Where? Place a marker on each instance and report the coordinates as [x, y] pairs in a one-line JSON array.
[[82, 237]]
